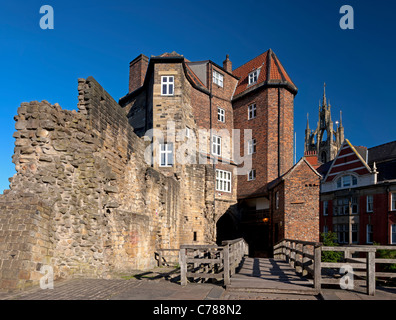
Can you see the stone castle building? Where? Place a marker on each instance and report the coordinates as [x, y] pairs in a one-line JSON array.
[[324, 140], [98, 191]]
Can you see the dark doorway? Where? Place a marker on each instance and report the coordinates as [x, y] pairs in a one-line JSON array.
[[227, 228]]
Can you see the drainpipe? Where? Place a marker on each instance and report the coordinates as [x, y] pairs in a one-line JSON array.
[[210, 142], [279, 120]]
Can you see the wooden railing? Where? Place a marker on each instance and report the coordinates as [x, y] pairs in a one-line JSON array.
[[211, 261], [167, 257], [306, 258]]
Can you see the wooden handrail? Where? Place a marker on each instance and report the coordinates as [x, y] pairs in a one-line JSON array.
[[297, 254], [207, 258]]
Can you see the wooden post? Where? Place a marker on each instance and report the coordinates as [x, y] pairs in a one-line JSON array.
[[183, 266], [226, 265], [304, 272], [371, 273], [317, 267], [160, 258]]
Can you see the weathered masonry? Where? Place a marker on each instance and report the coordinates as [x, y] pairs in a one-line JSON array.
[[83, 199]]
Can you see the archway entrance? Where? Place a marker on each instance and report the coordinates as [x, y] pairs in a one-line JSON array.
[[227, 228]]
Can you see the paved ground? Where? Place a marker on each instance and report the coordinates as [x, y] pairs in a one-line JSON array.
[[161, 284]]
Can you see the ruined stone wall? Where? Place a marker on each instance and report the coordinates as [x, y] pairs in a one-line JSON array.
[[104, 209]]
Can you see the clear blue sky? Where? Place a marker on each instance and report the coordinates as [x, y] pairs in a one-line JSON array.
[[100, 38]]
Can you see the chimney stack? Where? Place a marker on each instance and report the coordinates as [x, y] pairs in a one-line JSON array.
[[227, 64], [137, 72]]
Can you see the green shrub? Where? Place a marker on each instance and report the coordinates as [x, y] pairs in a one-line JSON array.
[[329, 240]]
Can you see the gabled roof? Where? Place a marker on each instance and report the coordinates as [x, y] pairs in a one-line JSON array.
[[384, 152], [283, 177], [271, 72], [347, 159]]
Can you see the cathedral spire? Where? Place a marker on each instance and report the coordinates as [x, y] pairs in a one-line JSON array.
[[307, 121], [324, 94]]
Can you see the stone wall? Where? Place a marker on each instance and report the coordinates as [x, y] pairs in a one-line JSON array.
[[103, 209]]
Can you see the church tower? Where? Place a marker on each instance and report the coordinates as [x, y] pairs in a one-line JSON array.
[[324, 141]]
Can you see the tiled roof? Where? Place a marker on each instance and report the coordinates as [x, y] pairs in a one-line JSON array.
[[271, 71]]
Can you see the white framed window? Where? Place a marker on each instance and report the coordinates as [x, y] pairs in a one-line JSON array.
[[167, 85], [393, 200], [253, 76], [252, 146], [218, 78], [341, 206], [252, 111], [220, 114], [342, 233], [346, 181], [216, 145], [252, 175], [369, 233], [369, 201], [393, 234], [223, 180], [325, 208], [166, 155], [325, 229]]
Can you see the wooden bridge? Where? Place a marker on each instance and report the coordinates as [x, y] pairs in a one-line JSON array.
[[296, 268]]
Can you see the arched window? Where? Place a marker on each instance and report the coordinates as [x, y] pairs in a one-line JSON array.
[[346, 181]]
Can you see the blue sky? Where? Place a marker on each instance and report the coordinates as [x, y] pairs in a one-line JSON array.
[[100, 38]]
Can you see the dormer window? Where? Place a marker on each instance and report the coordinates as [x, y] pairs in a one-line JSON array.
[[253, 76], [218, 78], [346, 181]]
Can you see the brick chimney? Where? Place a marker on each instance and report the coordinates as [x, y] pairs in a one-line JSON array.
[[227, 64], [137, 72], [312, 158]]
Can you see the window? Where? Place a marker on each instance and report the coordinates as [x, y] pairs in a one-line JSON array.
[[325, 229], [354, 233], [252, 112], [220, 114], [216, 145], [369, 233], [187, 132], [253, 76], [342, 233], [393, 196], [325, 208], [341, 206], [393, 234], [166, 155], [223, 180], [167, 85], [346, 181], [252, 146], [252, 175], [218, 78], [369, 203], [277, 200]]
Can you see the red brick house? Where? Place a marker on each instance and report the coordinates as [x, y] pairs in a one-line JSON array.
[[358, 195]]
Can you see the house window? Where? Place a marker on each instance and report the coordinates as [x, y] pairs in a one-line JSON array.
[[277, 200], [252, 146], [342, 205], [346, 181], [166, 155], [167, 85], [355, 233], [342, 233], [252, 111], [393, 196], [325, 229], [216, 145], [370, 203], [187, 132], [252, 175], [325, 208], [220, 114], [223, 180], [218, 78], [369, 233], [393, 234], [253, 76]]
